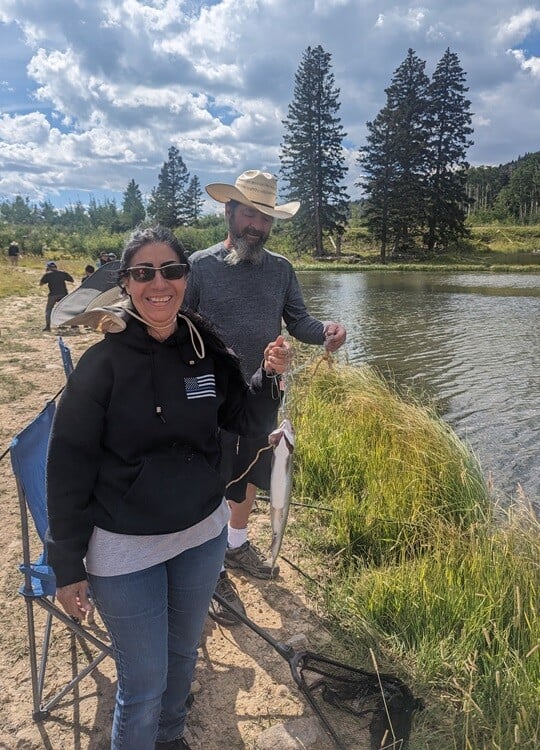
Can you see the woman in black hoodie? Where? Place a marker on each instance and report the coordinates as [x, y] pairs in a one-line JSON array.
[[137, 519]]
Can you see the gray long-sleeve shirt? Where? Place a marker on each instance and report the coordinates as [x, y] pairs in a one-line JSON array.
[[247, 302]]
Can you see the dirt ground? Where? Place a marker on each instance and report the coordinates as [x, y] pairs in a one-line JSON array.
[[242, 686]]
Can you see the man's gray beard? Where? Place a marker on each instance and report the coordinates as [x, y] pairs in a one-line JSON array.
[[242, 251]]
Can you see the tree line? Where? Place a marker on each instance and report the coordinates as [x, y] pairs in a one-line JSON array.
[[175, 201], [418, 189], [507, 193]]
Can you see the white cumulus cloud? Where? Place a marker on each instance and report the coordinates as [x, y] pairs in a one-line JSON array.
[[94, 94]]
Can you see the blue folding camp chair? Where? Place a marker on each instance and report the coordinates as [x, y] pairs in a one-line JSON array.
[[65, 351], [28, 456]]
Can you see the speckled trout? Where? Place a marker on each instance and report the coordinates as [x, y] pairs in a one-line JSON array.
[[282, 441]]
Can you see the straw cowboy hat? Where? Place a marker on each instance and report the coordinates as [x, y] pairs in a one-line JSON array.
[[255, 189]]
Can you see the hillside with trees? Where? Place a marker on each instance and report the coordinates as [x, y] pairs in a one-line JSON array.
[[509, 193]]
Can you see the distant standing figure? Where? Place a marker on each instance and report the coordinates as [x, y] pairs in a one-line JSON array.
[[14, 253], [103, 258], [56, 281], [88, 271]]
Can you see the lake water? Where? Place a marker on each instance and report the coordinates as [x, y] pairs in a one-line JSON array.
[[470, 341]]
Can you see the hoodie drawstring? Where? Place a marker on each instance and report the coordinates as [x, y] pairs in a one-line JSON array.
[[198, 347]]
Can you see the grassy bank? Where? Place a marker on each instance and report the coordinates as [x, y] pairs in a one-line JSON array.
[[491, 247], [415, 561], [23, 281]]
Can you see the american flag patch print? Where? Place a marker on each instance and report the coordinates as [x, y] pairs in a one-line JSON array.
[[203, 386]]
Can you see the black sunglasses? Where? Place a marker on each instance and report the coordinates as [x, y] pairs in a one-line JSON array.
[[170, 272]]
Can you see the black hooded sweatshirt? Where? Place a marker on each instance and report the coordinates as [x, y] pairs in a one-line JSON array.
[[134, 445]]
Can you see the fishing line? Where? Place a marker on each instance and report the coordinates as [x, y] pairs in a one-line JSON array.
[[303, 573], [277, 390], [266, 499], [281, 387], [252, 464]]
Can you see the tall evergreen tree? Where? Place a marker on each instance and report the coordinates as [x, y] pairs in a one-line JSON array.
[[104, 214], [408, 98], [133, 209], [167, 203], [312, 158], [19, 211], [75, 217], [449, 141], [378, 161], [47, 212], [396, 159], [194, 200]]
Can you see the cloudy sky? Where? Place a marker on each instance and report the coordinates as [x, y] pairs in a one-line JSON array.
[[94, 92]]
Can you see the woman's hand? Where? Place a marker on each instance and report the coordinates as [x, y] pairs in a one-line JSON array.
[[74, 599], [277, 356]]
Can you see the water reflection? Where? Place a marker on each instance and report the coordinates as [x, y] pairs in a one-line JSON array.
[[469, 341]]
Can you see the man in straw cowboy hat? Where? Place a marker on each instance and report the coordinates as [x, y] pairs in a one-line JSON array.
[[246, 291]]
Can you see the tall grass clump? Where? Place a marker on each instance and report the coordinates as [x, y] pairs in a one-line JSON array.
[[466, 616], [417, 563], [394, 474]]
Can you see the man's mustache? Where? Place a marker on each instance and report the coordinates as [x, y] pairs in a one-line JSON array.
[[253, 232]]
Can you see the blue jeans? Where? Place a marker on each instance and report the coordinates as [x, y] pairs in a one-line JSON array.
[[155, 618]]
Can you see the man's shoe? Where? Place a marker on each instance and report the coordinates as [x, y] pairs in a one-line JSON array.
[[227, 590], [251, 560], [47, 328], [178, 744]]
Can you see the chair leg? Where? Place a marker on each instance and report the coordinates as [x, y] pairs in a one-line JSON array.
[[75, 681], [44, 655], [38, 714], [38, 671]]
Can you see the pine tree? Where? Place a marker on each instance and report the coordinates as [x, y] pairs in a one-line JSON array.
[[312, 158], [379, 164], [395, 160], [167, 204], [449, 140], [133, 210], [104, 214], [47, 212], [18, 211], [194, 202], [408, 99]]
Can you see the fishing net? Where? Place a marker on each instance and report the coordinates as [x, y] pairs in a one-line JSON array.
[[359, 709]]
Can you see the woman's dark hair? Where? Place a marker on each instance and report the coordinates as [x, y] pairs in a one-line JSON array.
[[145, 236]]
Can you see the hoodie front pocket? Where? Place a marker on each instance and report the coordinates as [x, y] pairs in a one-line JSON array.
[[175, 484]]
